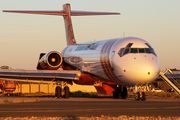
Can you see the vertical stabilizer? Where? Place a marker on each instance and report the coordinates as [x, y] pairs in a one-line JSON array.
[[68, 25], [66, 13]]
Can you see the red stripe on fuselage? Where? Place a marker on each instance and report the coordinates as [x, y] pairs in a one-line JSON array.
[[110, 71], [106, 58], [102, 62], [107, 61]]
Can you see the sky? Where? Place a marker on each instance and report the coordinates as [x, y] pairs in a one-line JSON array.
[[23, 36]]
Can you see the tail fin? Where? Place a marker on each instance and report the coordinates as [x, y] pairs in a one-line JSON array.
[[68, 25], [66, 13]]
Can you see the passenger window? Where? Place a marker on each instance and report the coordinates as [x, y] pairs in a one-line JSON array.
[[126, 51], [134, 50], [141, 50], [121, 52], [147, 50]]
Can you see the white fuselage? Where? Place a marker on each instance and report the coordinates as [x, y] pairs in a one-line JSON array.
[[111, 60]]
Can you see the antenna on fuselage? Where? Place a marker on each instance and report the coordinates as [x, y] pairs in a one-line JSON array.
[[66, 13], [123, 34]]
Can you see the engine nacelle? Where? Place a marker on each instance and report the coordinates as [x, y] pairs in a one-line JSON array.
[[51, 61]]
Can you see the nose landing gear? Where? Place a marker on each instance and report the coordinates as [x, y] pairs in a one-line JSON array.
[[140, 96], [122, 91]]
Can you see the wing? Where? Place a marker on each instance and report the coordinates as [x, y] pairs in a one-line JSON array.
[[43, 76]]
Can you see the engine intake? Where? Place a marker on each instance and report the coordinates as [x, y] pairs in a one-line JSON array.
[[51, 61]]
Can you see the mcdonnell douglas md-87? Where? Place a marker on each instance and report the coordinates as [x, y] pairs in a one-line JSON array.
[[110, 65]]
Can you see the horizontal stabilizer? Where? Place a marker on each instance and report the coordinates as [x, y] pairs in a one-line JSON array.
[[63, 13], [80, 13], [38, 12]]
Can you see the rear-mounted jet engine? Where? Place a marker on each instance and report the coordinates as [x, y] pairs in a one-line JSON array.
[[50, 61]]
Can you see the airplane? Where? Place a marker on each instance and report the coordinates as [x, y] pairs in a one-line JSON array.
[[110, 65]]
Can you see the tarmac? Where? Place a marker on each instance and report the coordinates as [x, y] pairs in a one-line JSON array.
[[87, 107]]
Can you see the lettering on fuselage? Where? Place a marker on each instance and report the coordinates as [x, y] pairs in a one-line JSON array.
[[87, 47]]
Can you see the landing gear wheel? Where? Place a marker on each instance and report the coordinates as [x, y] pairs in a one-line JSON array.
[[137, 96], [58, 92], [143, 98], [124, 93], [116, 93], [66, 92]]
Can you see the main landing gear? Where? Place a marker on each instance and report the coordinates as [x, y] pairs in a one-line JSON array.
[[120, 91], [62, 90]]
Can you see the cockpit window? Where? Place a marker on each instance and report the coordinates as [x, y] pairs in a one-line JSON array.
[[134, 50], [129, 45], [141, 50], [128, 49], [147, 50], [121, 51], [153, 52], [148, 45], [151, 49]]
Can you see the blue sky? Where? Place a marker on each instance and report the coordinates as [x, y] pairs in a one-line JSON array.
[[23, 37]]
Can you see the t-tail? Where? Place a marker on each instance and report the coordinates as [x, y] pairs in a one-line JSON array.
[[66, 13]]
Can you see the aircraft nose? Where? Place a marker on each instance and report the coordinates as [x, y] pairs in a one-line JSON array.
[[141, 71]]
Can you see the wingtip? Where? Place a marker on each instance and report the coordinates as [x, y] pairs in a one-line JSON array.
[[6, 10]]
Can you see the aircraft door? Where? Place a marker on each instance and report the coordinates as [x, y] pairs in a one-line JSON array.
[[112, 59]]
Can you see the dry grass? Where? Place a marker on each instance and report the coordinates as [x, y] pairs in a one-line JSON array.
[[164, 95], [19, 100], [157, 95], [160, 95], [83, 94], [102, 117]]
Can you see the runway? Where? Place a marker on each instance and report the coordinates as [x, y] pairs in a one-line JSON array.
[[87, 107]]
